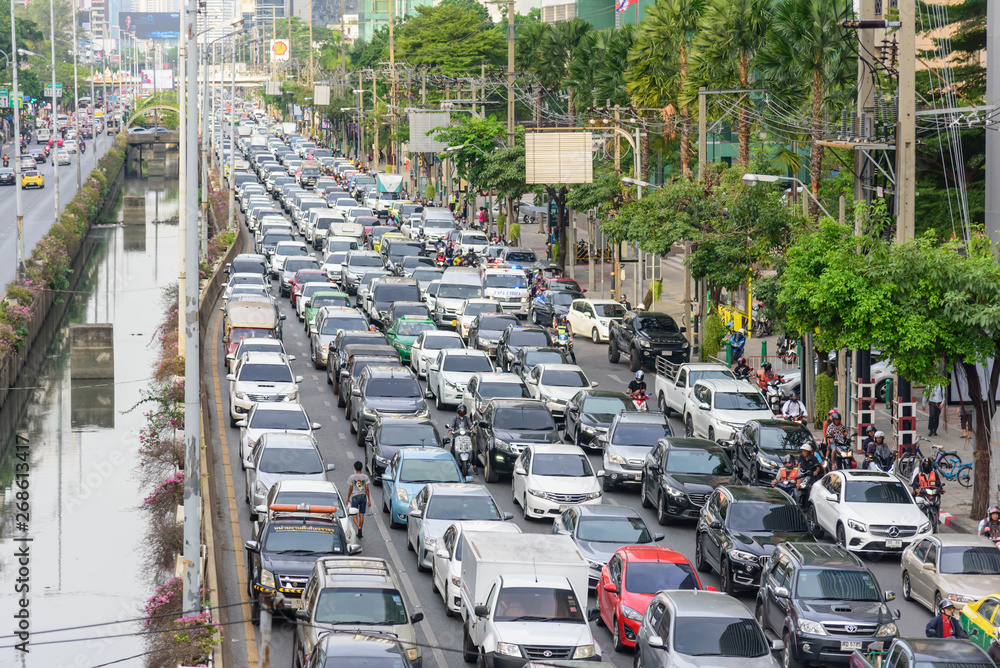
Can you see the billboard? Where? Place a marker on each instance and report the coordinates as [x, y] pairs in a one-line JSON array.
[[423, 122], [558, 157], [279, 50], [164, 79], [156, 25]]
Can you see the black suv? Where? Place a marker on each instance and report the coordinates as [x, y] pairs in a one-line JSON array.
[[823, 603], [515, 338], [528, 357], [390, 433], [383, 390], [589, 415], [739, 529], [337, 358], [679, 474], [359, 357], [282, 557], [761, 445], [486, 330], [505, 427]]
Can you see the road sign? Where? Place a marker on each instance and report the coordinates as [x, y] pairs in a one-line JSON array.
[[48, 90], [4, 98]]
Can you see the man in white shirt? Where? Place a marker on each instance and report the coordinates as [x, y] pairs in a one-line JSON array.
[[935, 402], [793, 408]]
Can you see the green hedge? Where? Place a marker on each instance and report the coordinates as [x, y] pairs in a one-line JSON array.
[[825, 393], [715, 331]]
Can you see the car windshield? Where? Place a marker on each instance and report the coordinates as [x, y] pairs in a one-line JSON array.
[[564, 378], [478, 307], [439, 223], [656, 323], [299, 539], [521, 256], [567, 465], [702, 462], [292, 251], [606, 406], [366, 261], [543, 357], [332, 325], [290, 461], [836, 585], [240, 333], [537, 604], [524, 419], [875, 491], [338, 245], [769, 517], [740, 401], [459, 291], [477, 239], [265, 373], [776, 439], [563, 298], [329, 300], [529, 338], [272, 238], [414, 328], [442, 343], [609, 310], [311, 498], [709, 374], [361, 605], [398, 250], [505, 280], [408, 434], [626, 530], [639, 433], [496, 323], [970, 560], [713, 636], [393, 388], [500, 390], [460, 507], [336, 257], [394, 292], [467, 363], [428, 470], [424, 274], [649, 577], [279, 420], [296, 264], [371, 276]]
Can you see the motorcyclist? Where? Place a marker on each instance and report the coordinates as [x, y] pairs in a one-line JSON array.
[[868, 445], [836, 430], [637, 387], [945, 624], [787, 475], [994, 651], [990, 527], [766, 375], [810, 466], [883, 456], [6, 159], [83, 146], [737, 340], [793, 409], [625, 303], [563, 333], [926, 477], [458, 423], [742, 370]]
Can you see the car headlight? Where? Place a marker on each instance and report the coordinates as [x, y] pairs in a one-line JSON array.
[[595, 564], [557, 401], [291, 396], [924, 528], [524, 300], [508, 649], [241, 396], [959, 598], [402, 496], [451, 386], [324, 347], [857, 526], [644, 343], [584, 652], [381, 460], [594, 495], [673, 492], [258, 488], [766, 463], [413, 654], [369, 412], [424, 413], [887, 630], [740, 555], [588, 430], [616, 459], [537, 492], [811, 627], [503, 445], [457, 581], [429, 542], [266, 578], [629, 613]]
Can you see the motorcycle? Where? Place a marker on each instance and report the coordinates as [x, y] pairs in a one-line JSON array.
[[786, 349], [803, 486], [929, 500], [83, 148], [441, 261], [774, 396], [800, 418], [461, 450], [842, 455], [882, 462], [743, 373], [788, 486], [641, 403], [565, 341]]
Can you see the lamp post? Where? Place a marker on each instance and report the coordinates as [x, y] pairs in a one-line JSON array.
[[16, 106], [55, 103], [751, 180], [205, 127], [76, 108]]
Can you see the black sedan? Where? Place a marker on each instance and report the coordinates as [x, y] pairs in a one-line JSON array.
[[679, 474], [515, 338], [739, 529], [761, 445], [590, 412], [486, 330], [551, 303], [390, 433], [7, 177], [527, 357]]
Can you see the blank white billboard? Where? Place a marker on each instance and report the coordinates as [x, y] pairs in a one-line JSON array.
[[558, 157], [423, 122]]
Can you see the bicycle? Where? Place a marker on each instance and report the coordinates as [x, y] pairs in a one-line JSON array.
[[944, 461]]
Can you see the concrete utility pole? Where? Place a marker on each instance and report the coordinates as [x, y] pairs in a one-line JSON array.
[[311, 52], [375, 121], [16, 105], [76, 109], [906, 129], [205, 91], [182, 193], [866, 96], [93, 100], [392, 80], [55, 107], [231, 216], [192, 371], [511, 38], [993, 138]]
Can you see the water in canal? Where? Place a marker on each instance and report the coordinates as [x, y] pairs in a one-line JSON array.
[[84, 563]]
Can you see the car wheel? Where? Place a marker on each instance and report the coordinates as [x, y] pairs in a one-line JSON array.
[[907, 589], [469, 651], [409, 545], [393, 524], [643, 499], [788, 654], [616, 637], [255, 610], [726, 578], [758, 613], [937, 601], [814, 527], [661, 403], [711, 434], [754, 475], [490, 474], [662, 517], [534, 317], [699, 555], [420, 559], [329, 379], [340, 399], [634, 361], [434, 586], [595, 336], [316, 363], [613, 353], [437, 402], [524, 508], [385, 501], [607, 485], [841, 536], [880, 392], [350, 422], [689, 427]]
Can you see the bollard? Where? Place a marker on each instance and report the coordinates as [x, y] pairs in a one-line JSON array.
[[763, 351], [729, 353]]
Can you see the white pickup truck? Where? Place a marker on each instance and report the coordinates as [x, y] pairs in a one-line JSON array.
[[674, 381], [524, 598]]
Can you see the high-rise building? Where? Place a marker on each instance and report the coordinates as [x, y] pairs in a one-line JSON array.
[[216, 16]]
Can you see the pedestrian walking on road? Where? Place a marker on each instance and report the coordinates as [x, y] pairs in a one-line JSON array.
[[935, 402], [361, 498]]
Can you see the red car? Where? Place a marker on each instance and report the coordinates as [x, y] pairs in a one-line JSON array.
[[303, 276], [631, 579]]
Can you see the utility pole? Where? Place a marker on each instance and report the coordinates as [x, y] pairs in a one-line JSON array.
[[616, 282], [361, 115], [866, 96], [511, 37], [311, 80], [182, 182], [231, 217], [93, 100], [206, 88], [695, 323], [992, 138], [392, 80], [55, 107], [18, 202], [906, 129], [76, 109], [375, 120]]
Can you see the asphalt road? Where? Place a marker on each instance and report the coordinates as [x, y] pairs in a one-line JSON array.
[[338, 446], [38, 205]]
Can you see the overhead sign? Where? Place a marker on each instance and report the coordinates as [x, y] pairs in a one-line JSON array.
[[47, 90], [4, 99], [156, 25], [321, 95], [558, 157], [280, 50], [423, 122], [157, 79], [272, 88]]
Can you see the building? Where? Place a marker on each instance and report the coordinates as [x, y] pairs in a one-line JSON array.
[[554, 11]]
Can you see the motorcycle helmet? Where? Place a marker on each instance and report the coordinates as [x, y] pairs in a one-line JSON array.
[[926, 465], [807, 447], [869, 429], [794, 396], [766, 366], [879, 434], [461, 410], [640, 307], [639, 375], [835, 415], [789, 460], [741, 361], [992, 509], [945, 605]]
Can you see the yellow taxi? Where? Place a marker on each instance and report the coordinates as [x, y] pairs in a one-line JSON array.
[[32, 179], [981, 618], [377, 244], [395, 206]]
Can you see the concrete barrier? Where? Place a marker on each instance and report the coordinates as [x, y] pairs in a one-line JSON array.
[[134, 210], [92, 351]]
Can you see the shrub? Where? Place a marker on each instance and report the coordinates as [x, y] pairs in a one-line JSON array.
[[714, 333], [501, 222], [515, 232], [430, 191], [825, 393]]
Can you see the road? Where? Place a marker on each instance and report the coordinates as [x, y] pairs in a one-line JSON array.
[[338, 446], [39, 212]]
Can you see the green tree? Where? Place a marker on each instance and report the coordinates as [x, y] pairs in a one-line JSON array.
[[557, 54], [966, 36], [450, 37], [366, 55], [471, 6], [479, 137]]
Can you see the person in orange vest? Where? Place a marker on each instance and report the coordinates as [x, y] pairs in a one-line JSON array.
[[787, 475]]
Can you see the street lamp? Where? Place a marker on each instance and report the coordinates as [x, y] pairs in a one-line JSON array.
[[16, 106], [751, 180], [639, 182]]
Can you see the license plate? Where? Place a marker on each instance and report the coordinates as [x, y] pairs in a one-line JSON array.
[[893, 542], [294, 603], [849, 645], [638, 476]]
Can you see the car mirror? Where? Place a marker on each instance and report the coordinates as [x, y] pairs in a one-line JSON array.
[[710, 588], [890, 596], [684, 330], [593, 614], [594, 384], [611, 587], [291, 358], [231, 377], [481, 611], [470, 478], [781, 592], [260, 510], [369, 437], [416, 617], [703, 406], [715, 524], [443, 554], [355, 392], [302, 615], [252, 546], [353, 548], [657, 537], [298, 379], [483, 424], [929, 567], [519, 470], [248, 465], [416, 512], [777, 645], [352, 512], [282, 317], [331, 467], [896, 614], [600, 474], [241, 423], [316, 425], [230, 357], [655, 641], [832, 498], [313, 330]]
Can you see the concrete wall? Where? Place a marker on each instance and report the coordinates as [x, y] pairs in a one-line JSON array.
[[92, 350]]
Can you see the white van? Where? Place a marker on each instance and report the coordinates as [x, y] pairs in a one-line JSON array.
[[509, 287], [42, 136], [457, 285]]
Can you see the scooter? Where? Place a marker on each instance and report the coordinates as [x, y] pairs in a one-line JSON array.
[[775, 398], [565, 341], [929, 500], [641, 403], [843, 456], [786, 350], [461, 450], [882, 462]]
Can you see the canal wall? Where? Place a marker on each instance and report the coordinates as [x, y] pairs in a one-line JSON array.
[[33, 310]]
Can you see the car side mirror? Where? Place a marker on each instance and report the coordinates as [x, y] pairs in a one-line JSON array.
[[291, 358], [703, 406], [594, 384], [657, 537], [416, 617], [252, 546], [353, 548], [890, 596], [443, 554], [282, 317], [356, 392], [833, 498], [896, 614], [416, 512], [331, 467], [655, 641], [470, 478], [241, 423], [315, 426], [600, 474], [231, 377], [484, 424], [508, 516], [611, 587], [928, 567], [481, 611], [302, 615], [298, 379], [248, 465], [593, 614], [519, 470], [715, 524], [781, 592], [352, 512], [777, 645]]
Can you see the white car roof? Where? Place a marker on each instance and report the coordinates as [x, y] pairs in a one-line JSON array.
[[497, 376], [278, 406], [727, 385], [556, 449]]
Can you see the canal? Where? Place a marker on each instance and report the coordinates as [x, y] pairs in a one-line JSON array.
[[77, 450]]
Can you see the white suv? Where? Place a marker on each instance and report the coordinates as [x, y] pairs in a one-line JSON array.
[[718, 408], [260, 377], [450, 373]]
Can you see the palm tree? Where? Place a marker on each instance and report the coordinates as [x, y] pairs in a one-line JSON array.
[[730, 37], [526, 51], [806, 45], [558, 51]]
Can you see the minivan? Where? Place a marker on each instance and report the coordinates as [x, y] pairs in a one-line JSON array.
[[457, 284]]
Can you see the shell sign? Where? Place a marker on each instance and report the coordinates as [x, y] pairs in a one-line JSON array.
[[279, 50]]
